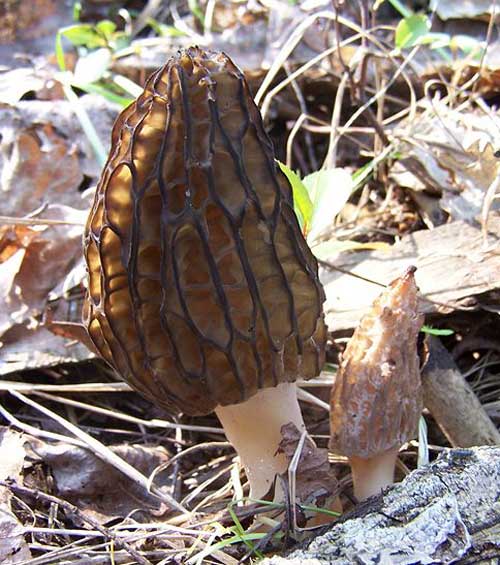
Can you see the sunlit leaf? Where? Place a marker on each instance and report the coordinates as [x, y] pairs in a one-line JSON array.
[[400, 7], [328, 190], [164, 30], [302, 201], [129, 86], [105, 92], [60, 52], [410, 30], [467, 44], [106, 28], [83, 34], [91, 67]]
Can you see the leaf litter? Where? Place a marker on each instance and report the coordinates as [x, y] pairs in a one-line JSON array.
[[426, 154]]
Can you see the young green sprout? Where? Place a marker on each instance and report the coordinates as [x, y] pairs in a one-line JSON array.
[[376, 399]]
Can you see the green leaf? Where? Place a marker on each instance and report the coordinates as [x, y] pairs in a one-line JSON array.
[[410, 30], [467, 45], [105, 92], [196, 10], [329, 190], [86, 124], [436, 331], [83, 34], [106, 28], [239, 530], [301, 200], [401, 8], [435, 40], [60, 52], [77, 10], [164, 30], [129, 86]]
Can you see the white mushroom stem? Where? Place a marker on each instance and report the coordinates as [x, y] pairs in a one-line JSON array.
[[372, 475], [254, 429]]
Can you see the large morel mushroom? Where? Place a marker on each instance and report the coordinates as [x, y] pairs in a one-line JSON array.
[[202, 292]]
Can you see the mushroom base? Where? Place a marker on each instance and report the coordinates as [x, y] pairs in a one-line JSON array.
[[372, 475], [254, 429]]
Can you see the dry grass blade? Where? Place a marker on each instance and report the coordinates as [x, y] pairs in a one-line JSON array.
[[154, 423], [36, 431], [312, 399], [103, 452], [72, 509], [9, 220]]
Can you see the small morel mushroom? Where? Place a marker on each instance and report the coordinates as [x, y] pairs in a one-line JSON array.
[[202, 292], [376, 399]]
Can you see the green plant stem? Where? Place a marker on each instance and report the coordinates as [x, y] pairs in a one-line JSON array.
[[86, 124]]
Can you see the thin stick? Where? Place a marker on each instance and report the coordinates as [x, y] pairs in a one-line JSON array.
[[72, 509], [311, 399], [36, 431], [128, 418], [452, 402], [10, 220], [103, 452]]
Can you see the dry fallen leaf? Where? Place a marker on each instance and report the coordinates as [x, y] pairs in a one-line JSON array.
[[97, 488], [455, 153], [35, 261], [454, 269], [45, 156], [44, 256], [13, 547], [315, 481], [458, 9]]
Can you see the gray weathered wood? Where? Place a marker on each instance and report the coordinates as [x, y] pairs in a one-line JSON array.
[[447, 512]]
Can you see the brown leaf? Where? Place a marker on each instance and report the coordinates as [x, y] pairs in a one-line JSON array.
[[454, 267], [315, 481], [41, 261], [457, 162], [35, 261], [13, 547], [98, 488], [45, 155]]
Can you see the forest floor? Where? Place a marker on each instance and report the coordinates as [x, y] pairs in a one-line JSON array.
[[388, 114]]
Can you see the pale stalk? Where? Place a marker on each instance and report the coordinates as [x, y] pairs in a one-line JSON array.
[[254, 429], [371, 476]]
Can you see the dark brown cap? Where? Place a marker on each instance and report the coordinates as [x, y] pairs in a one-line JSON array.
[[376, 399], [201, 287]]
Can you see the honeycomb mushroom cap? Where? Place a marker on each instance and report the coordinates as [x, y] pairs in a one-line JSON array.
[[201, 287], [376, 399]]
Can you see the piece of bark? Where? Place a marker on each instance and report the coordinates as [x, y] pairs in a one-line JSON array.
[[452, 402], [446, 512], [454, 267]]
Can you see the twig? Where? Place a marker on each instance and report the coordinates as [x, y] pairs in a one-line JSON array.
[[10, 220], [72, 509], [36, 431], [127, 417], [103, 452], [452, 402]]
